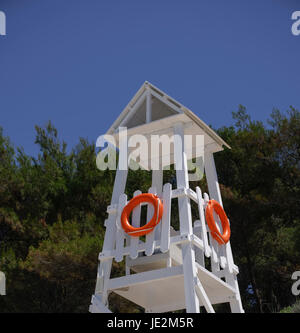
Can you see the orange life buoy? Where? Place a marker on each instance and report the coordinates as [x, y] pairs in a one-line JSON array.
[[210, 208], [147, 228]]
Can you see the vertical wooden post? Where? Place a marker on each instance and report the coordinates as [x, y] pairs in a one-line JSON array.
[[215, 193], [212, 178], [104, 268], [157, 183], [148, 106], [185, 217], [157, 180]]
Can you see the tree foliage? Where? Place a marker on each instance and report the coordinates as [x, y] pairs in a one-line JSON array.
[[53, 207]]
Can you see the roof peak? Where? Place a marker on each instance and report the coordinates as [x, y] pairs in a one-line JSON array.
[[150, 104]]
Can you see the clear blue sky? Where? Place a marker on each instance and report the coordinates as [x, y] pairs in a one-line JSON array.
[[79, 62]]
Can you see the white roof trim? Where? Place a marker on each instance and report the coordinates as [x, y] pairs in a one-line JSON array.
[[176, 106]]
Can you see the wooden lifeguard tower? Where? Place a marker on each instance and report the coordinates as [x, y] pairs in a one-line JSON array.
[[167, 270]]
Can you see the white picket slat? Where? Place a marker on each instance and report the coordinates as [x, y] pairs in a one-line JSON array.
[[157, 182], [120, 232], [150, 237], [221, 248], [165, 221], [136, 219], [229, 256], [214, 246], [199, 253], [207, 249]]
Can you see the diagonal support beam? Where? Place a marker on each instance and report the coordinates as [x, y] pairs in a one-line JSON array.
[[203, 296]]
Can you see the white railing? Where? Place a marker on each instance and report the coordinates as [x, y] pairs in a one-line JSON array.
[[204, 245]]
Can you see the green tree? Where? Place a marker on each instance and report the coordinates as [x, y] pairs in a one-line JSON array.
[[53, 208]]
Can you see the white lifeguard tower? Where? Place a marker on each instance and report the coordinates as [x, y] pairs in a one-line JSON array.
[[167, 270]]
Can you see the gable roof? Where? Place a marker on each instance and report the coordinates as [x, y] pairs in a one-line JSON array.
[[164, 106]]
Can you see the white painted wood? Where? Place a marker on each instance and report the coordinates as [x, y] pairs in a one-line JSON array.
[[207, 249], [120, 238], [174, 240], [182, 182], [166, 101], [215, 193], [176, 277], [150, 246], [132, 110], [104, 268], [127, 240], [229, 258], [203, 297], [148, 106], [165, 288], [212, 178], [213, 246], [166, 218], [144, 260], [221, 248], [127, 268], [167, 308], [235, 302], [199, 253], [165, 126], [97, 306], [211, 281], [176, 106], [188, 258], [195, 239], [136, 218], [185, 218], [214, 190], [221, 253], [145, 277], [192, 195], [157, 183]]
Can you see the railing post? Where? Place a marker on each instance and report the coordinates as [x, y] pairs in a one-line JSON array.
[[215, 193], [104, 268], [185, 217]]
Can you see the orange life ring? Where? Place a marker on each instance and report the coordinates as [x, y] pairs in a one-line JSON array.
[[212, 206], [147, 228]]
